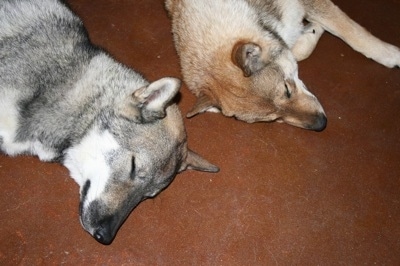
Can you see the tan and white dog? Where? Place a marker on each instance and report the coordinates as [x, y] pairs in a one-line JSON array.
[[240, 56]]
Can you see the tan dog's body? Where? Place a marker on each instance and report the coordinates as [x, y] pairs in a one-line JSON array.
[[240, 56]]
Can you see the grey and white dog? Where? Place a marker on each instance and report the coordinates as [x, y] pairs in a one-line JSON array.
[[63, 99]]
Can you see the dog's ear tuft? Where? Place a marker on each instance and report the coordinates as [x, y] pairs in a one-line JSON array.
[[148, 103], [248, 57], [203, 103], [198, 163]]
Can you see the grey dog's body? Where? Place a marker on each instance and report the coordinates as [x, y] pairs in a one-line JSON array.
[[63, 99], [43, 54]]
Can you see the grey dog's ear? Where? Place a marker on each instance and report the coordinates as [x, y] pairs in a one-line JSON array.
[[198, 163], [248, 57], [148, 103]]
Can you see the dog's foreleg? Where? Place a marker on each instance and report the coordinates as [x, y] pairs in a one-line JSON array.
[[335, 21], [306, 43]]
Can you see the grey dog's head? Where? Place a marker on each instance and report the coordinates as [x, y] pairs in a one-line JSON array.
[[131, 154]]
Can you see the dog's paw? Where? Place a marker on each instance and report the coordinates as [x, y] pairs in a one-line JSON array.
[[389, 56], [307, 41], [313, 28]]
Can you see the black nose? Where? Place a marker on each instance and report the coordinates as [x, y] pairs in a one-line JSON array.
[[103, 235], [320, 123]]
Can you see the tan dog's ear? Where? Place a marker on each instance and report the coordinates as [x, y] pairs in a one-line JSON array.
[[148, 103], [248, 57], [198, 163], [203, 103]]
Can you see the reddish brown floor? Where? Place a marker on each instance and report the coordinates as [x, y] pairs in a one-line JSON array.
[[284, 196]]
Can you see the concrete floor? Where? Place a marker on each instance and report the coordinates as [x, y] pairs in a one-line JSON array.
[[284, 196]]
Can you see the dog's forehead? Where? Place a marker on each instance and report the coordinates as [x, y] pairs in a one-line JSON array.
[[272, 73], [151, 143], [131, 134]]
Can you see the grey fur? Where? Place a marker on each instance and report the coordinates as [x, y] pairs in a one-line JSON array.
[[43, 56], [62, 98]]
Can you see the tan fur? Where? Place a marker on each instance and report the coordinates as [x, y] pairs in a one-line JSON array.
[[240, 56]]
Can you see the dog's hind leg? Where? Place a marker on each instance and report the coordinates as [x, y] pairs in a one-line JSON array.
[[306, 43], [335, 21]]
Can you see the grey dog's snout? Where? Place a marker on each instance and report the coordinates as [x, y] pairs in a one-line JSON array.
[[106, 230], [103, 235]]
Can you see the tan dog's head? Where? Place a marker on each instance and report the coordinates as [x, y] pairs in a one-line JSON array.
[[261, 84]]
